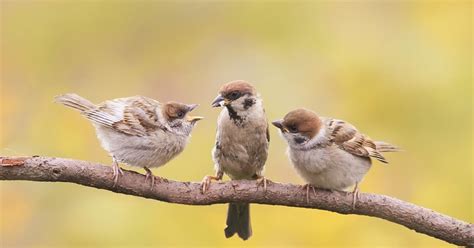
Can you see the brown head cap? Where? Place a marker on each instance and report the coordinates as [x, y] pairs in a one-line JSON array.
[[176, 110], [302, 121], [240, 86]]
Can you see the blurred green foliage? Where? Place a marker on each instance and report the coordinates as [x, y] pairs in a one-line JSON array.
[[399, 71]]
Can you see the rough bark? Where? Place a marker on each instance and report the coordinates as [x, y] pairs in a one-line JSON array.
[[95, 175]]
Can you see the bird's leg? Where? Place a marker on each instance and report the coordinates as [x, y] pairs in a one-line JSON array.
[[117, 170], [307, 187], [355, 195], [149, 174], [261, 180], [206, 181]]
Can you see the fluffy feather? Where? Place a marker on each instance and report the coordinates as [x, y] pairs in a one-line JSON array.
[[241, 146], [337, 156], [134, 130]]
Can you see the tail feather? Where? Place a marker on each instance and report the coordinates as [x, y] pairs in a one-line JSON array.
[[238, 221], [386, 147], [377, 155], [75, 101]]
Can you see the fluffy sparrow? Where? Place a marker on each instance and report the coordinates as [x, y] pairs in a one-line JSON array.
[[329, 153], [137, 130], [241, 147]]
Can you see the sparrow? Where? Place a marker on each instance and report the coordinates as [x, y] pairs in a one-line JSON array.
[[137, 130], [329, 153], [241, 147]]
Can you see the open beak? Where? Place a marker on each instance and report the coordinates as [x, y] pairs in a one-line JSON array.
[[194, 118], [218, 101], [279, 125]]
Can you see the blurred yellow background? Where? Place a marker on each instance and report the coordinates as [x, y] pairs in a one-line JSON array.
[[399, 71]]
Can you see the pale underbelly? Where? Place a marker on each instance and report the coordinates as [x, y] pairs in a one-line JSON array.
[[148, 151], [332, 170]]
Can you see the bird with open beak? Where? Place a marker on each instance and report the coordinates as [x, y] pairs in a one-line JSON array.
[[241, 147], [329, 153], [137, 130]]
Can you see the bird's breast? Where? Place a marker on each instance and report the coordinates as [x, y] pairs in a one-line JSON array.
[[241, 151], [329, 167], [152, 150]]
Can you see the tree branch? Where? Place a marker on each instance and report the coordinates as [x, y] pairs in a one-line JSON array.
[[95, 175]]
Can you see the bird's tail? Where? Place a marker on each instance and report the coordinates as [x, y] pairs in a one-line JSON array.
[[238, 220], [75, 101], [386, 147]]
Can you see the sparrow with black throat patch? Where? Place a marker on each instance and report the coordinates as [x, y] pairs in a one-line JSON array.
[[329, 153], [241, 147], [137, 130]]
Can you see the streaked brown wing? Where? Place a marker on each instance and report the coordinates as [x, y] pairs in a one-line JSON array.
[[137, 115], [349, 139]]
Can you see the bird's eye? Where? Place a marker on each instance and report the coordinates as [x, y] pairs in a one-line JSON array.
[[293, 129], [180, 114], [234, 95]]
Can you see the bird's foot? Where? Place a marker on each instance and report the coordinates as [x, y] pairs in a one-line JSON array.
[[262, 181], [149, 175], [117, 171], [355, 195], [307, 187], [206, 181]]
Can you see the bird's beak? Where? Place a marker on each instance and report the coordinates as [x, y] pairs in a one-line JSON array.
[[191, 107], [218, 101], [194, 118], [279, 125]]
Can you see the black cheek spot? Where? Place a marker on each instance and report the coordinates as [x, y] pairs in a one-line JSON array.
[[234, 116], [248, 103], [299, 140]]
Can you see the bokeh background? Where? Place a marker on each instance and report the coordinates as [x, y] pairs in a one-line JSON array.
[[400, 71]]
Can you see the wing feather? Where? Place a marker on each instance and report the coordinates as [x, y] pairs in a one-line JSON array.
[[348, 138], [100, 117], [133, 115], [139, 117]]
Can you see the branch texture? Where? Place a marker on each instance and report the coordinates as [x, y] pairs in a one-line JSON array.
[[95, 175]]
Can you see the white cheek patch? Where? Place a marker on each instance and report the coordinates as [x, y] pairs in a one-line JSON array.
[[320, 138], [244, 109], [284, 136], [238, 104], [290, 139]]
